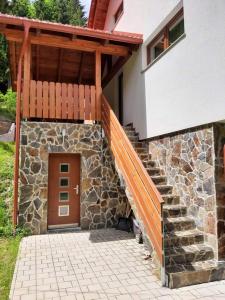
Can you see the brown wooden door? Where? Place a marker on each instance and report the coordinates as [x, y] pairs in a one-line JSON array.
[[64, 189]]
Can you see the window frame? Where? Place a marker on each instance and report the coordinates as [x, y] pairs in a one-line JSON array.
[[165, 34]]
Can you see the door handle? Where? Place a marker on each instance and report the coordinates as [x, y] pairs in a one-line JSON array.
[[77, 189]]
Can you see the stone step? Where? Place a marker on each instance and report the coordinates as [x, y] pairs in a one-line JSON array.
[[153, 171], [179, 224], [188, 254], [133, 138], [173, 211], [159, 179], [171, 199], [131, 133], [144, 156], [130, 126], [138, 145], [183, 238], [195, 273], [141, 150], [164, 189], [149, 164]]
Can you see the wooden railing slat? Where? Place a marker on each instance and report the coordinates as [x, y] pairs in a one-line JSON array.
[[76, 101], [39, 99], [93, 103], [33, 97], [81, 102], [87, 104], [58, 90], [52, 98], [70, 101], [64, 101], [45, 99]]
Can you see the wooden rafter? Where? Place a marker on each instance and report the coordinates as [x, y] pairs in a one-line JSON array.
[[66, 43]]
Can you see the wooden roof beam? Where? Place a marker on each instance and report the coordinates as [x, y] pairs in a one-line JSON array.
[[62, 42]]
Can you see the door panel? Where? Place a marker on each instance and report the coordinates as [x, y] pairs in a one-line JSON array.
[[64, 189]]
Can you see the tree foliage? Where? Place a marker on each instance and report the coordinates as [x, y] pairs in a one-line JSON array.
[[60, 11]]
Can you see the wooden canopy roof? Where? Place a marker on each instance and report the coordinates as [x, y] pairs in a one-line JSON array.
[[98, 13], [65, 53]]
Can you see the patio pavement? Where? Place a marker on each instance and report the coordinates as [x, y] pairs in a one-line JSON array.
[[101, 264]]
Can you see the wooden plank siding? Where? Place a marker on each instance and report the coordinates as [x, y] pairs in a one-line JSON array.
[[146, 197], [61, 101]]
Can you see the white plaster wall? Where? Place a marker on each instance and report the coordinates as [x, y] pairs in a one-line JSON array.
[[186, 86]]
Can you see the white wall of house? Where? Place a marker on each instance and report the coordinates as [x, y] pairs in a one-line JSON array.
[[186, 86]]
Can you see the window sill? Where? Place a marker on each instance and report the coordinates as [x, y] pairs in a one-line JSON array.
[[164, 52]]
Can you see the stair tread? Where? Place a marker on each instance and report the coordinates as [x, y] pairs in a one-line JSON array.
[[173, 206], [164, 186], [188, 249], [184, 233], [178, 220]]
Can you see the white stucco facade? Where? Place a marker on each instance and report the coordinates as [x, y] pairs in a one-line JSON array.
[[186, 86]]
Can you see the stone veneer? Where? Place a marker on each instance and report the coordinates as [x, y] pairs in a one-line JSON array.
[[188, 160], [102, 198]]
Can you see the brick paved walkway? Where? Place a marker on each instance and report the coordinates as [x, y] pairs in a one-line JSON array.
[[102, 264]]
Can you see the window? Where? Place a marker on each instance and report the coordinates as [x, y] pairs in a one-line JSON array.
[[63, 196], [64, 168], [119, 12], [64, 182], [64, 211], [170, 34]]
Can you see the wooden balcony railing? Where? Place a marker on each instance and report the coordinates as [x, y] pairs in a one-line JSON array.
[[50, 100], [147, 198]]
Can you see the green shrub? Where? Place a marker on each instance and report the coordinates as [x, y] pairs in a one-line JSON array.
[[8, 104]]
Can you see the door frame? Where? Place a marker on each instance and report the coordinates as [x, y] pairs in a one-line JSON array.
[[80, 192]]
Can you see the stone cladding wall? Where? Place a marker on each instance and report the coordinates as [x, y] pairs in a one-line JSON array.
[[188, 160], [103, 200], [219, 138]]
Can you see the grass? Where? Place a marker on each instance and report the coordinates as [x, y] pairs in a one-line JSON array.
[[8, 253], [8, 244]]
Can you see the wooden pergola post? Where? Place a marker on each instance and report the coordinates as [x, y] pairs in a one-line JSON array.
[[18, 117], [26, 79], [98, 83]]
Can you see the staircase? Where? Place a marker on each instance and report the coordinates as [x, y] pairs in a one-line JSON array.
[[188, 259]]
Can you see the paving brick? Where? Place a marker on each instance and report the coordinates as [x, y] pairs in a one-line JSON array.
[[70, 266]]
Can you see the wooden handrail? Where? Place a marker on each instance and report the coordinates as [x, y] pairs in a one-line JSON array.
[[146, 197]]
